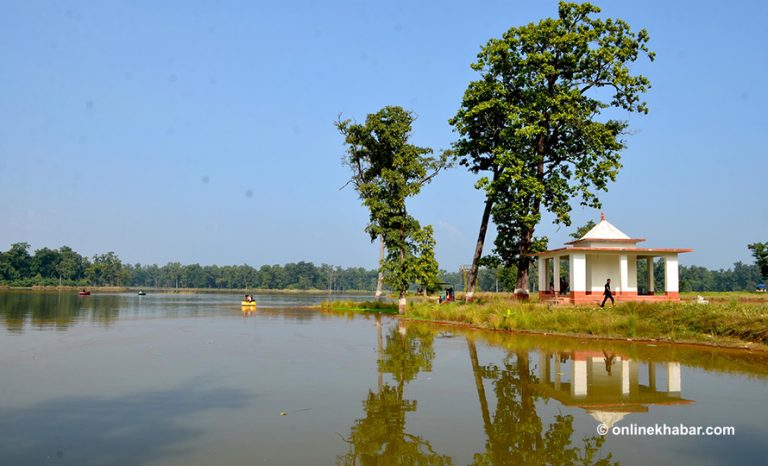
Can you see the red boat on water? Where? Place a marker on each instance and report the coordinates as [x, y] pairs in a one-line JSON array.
[[85, 293]]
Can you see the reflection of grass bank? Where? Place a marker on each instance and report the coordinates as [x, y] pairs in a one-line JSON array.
[[735, 361], [731, 323]]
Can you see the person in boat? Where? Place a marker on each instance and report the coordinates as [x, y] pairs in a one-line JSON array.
[[248, 298]]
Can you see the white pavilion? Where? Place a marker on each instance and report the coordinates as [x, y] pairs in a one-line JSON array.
[[606, 252]]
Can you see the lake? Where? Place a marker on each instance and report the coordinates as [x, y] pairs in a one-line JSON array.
[[182, 379]]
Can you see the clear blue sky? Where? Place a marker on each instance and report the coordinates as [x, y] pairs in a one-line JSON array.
[[203, 131]]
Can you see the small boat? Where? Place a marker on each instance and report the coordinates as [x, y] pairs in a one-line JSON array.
[[85, 293], [248, 303], [142, 293]]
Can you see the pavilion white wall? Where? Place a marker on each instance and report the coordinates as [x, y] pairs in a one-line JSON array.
[[600, 267]]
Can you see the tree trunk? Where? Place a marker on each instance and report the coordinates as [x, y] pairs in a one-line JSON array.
[[472, 279], [380, 349], [526, 241], [481, 391], [521, 287], [402, 300], [380, 282]]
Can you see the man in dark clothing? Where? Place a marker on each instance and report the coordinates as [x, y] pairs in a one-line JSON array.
[[607, 293]]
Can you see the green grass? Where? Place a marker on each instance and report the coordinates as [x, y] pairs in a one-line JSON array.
[[358, 306], [739, 296], [732, 322]]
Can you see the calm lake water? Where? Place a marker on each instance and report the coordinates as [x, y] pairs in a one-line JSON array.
[[194, 380]]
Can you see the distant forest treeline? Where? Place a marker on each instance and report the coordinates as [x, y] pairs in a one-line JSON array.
[[18, 267]]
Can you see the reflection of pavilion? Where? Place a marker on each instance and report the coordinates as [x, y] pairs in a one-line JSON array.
[[607, 385]]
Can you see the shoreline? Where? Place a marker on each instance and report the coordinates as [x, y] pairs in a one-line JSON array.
[[740, 326], [127, 289], [741, 346]]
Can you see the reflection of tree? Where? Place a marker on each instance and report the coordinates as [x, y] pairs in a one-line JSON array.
[[55, 310], [516, 434], [380, 437], [404, 356]]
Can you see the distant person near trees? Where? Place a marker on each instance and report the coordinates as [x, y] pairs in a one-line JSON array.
[[607, 293]]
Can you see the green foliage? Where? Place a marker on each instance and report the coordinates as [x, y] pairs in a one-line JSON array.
[[516, 432], [427, 271], [386, 170], [70, 265], [760, 253], [16, 262], [361, 306], [381, 437], [534, 120], [494, 276], [71, 268], [106, 269], [741, 277], [583, 230], [48, 267]]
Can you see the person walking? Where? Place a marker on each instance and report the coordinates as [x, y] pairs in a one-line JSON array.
[[607, 293]]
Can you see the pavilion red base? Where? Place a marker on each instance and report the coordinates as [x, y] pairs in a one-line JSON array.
[[582, 297]]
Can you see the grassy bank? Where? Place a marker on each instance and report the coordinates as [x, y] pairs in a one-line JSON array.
[[728, 322], [359, 306]]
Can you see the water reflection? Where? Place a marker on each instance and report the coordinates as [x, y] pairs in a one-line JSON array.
[[137, 428], [515, 433], [606, 380], [61, 310], [607, 385], [424, 394], [380, 437], [55, 310]]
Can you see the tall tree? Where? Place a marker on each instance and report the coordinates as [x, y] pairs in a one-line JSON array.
[[71, 265], [534, 123], [427, 268], [45, 262], [106, 269], [583, 230], [18, 260], [386, 170], [760, 253]]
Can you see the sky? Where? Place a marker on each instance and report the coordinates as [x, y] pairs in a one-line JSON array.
[[203, 131]]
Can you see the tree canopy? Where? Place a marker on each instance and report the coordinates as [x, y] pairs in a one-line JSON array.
[[760, 253], [387, 170], [536, 122]]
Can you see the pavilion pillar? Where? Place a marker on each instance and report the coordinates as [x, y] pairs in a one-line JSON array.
[[625, 377], [623, 273], [556, 277], [579, 377], [543, 275], [577, 275], [671, 286], [544, 366], [673, 377], [651, 279]]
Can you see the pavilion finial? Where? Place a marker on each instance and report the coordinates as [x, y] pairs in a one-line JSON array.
[[602, 216]]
